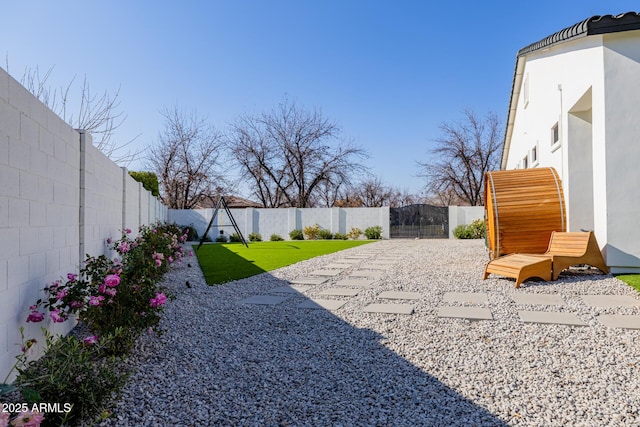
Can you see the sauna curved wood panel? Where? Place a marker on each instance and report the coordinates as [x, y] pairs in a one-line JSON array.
[[522, 208]]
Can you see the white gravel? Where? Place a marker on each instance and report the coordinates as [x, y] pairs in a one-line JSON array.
[[221, 362]]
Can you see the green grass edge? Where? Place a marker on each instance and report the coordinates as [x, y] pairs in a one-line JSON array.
[[632, 280]]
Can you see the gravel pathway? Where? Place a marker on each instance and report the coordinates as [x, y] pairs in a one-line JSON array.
[[221, 362]]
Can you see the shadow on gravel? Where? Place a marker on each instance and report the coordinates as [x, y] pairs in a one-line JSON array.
[[283, 365]]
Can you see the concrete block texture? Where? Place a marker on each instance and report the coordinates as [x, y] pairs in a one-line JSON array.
[[52, 212]]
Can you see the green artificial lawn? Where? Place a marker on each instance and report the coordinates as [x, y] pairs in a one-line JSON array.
[[632, 280], [224, 262]]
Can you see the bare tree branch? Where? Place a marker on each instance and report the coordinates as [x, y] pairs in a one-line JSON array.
[[465, 151]]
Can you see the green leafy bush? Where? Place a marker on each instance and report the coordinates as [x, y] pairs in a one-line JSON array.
[[235, 238], [255, 237], [191, 232], [222, 239], [340, 236], [475, 230], [149, 181], [296, 234], [373, 233], [75, 372], [311, 232], [325, 234], [276, 238], [354, 233]]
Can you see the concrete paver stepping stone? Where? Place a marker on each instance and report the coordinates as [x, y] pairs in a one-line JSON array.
[[361, 283], [399, 295], [309, 280], [537, 299], [326, 272], [338, 265], [342, 292], [326, 304], [293, 289], [367, 273], [468, 297], [551, 317], [610, 301], [470, 313], [264, 299], [389, 308], [374, 267], [620, 321]]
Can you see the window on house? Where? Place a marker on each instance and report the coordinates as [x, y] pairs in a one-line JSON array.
[[534, 155], [555, 134], [525, 162]]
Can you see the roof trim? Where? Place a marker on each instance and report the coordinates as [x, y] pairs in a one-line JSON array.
[[604, 24], [595, 25]]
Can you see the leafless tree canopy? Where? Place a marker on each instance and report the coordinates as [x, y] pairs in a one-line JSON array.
[[83, 109], [464, 152], [186, 160], [293, 157]]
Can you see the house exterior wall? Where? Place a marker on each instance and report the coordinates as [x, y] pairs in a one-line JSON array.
[[589, 87], [60, 198], [622, 151]]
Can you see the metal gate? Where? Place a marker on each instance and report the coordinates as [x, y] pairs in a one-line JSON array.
[[421, 221]]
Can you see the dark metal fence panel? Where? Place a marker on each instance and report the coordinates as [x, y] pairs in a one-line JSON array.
[[421, 221]]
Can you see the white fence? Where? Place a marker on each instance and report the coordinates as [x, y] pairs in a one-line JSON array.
[[60, 198], [281, 221]]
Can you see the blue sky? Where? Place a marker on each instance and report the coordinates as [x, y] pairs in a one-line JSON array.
[[388, 72]]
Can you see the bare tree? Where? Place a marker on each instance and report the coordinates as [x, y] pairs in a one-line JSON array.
[[402, 197], [292, 155], [186, 160], [373, 193], [464, 152], [96, 113]]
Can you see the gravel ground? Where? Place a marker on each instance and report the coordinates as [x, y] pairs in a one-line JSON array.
[[221, 362]]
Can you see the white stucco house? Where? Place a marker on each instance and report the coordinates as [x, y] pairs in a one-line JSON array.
[[575, 106]]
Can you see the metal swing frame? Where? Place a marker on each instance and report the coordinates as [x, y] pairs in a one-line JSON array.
[[222, 204]]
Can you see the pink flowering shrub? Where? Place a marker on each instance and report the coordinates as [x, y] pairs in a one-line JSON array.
[[117, 294]]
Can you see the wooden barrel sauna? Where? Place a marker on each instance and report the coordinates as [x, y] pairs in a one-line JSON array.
[[522, 208]]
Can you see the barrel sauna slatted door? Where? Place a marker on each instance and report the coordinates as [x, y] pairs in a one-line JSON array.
[[522, 208]]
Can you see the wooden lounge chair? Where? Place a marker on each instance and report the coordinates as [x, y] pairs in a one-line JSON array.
[[520, 267], [565, 249], [574, 248]]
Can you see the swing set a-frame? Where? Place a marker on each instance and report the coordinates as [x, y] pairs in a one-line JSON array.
[[222, 204]]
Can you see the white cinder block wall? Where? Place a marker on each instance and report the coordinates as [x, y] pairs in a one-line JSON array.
[[60, 198], [282, 221]]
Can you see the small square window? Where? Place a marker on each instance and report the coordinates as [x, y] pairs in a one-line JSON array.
[[525, 162], [534, 154], [555, 134]]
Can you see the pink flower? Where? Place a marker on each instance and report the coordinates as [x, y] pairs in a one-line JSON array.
[[158, 263], [159, 300], [4, 418], [35, 316], [127, 230], [109, 241], [90, 340], [76, 304], [110, 292], [112, 280], [102, 288], [61, 294], [96, 300], [124, 247], [56, 316], [28, 419], [170, 259], [72, 277]]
